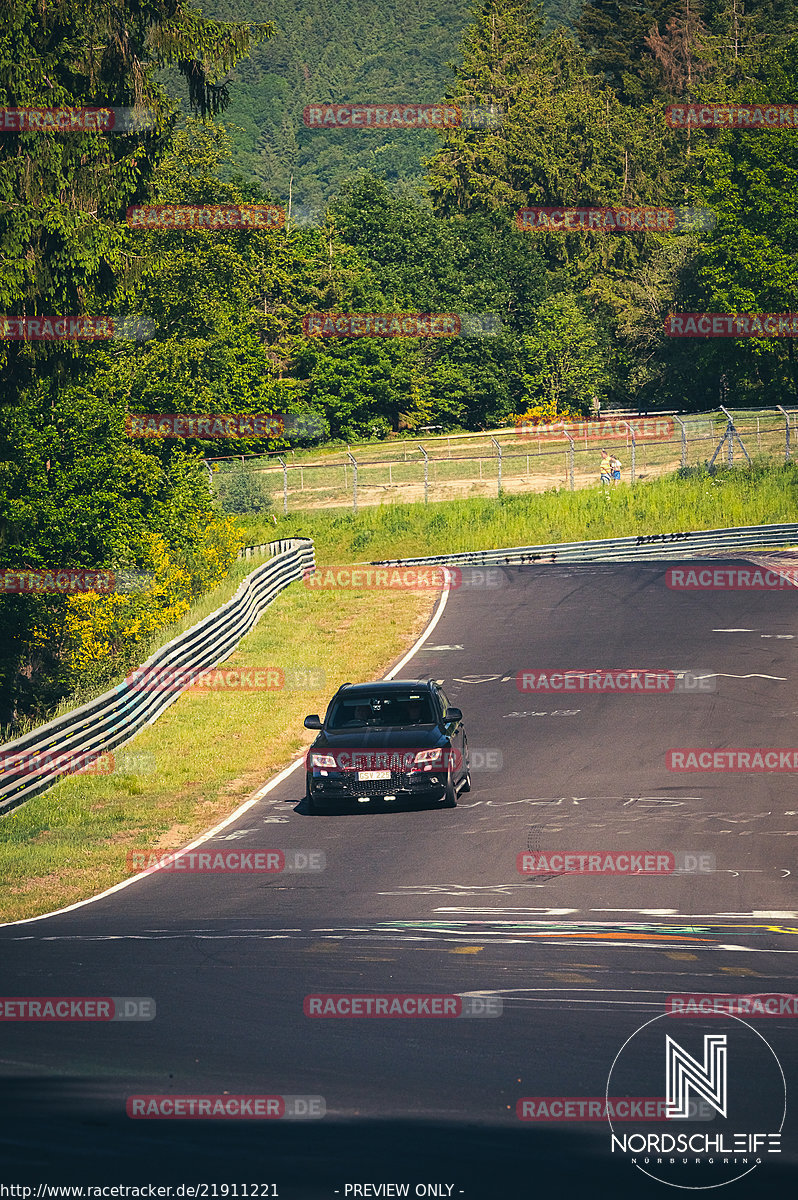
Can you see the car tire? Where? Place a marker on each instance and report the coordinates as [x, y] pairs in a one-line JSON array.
[[467, 781], [450, 795], [309, 802]]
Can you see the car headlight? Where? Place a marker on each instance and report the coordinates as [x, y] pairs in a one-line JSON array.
[[429, 756], [322, 760]]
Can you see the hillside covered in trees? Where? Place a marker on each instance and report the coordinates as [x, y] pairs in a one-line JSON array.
[[577, 314], [337, 50]]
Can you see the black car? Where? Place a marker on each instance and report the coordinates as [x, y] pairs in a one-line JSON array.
[[387, 742]]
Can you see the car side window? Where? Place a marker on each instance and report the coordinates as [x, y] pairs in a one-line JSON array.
[[442, 700]]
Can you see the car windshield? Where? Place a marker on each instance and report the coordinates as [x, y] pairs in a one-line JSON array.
[[382, 710]]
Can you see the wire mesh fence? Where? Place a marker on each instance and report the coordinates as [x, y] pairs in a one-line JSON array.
[[521, 459]]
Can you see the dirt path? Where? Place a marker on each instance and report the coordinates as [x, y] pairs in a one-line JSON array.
[[409, 493]]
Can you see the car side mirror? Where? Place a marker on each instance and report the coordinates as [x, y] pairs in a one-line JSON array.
[[313, 721], [453, 714]]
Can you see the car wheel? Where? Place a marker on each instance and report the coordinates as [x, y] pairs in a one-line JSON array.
[[467, 781], [309, 804], [450, 795]]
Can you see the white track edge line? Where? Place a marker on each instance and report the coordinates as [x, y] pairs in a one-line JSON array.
[[204, 837]]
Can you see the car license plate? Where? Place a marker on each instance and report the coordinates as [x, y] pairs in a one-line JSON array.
[[369, 776]]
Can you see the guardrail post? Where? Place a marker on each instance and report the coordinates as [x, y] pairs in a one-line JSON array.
[[786, 432], [684, 440], [499, 453], [426, 473], [570, 456], [634, 449], [354, 479], [285, 484]]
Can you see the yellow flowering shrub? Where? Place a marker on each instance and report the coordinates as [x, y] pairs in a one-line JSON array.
[[93, 634], [547, 413]]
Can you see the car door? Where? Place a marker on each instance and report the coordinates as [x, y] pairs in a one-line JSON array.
[[456, 733]]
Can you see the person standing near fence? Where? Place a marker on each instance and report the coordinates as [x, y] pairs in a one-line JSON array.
[[605, 467], [615, 468]]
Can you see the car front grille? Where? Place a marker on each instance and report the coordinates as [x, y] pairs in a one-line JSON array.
[[377, 787], [346, 783]]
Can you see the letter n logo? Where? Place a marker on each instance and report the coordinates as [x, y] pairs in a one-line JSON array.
[[683, 1073]]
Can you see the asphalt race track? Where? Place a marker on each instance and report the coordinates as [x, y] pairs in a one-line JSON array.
[[432, 902]]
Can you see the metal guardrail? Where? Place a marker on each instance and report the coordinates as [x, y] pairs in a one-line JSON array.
[[262, 548], [623, 549], [114, 718]]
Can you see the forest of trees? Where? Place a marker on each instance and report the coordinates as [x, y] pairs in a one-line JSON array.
[[324, 50], [411, 222]]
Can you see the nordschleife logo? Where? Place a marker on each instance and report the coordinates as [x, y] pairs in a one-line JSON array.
[[731, 1073], [683, 1075]]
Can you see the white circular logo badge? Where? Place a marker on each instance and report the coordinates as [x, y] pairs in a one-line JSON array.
[[712, 1100]]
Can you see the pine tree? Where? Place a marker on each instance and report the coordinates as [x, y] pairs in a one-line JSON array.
[[613, 34], [63, 196]]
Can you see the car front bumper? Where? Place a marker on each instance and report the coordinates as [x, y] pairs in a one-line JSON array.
[[334, 786]]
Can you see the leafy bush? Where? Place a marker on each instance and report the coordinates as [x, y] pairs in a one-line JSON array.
[[241, 490]]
